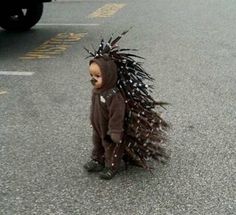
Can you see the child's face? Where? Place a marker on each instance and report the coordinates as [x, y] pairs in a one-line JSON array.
[[96, 74]]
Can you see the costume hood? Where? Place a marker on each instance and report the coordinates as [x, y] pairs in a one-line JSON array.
[[109, 72]]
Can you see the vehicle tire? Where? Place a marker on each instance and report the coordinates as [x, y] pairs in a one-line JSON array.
[[21, 18]]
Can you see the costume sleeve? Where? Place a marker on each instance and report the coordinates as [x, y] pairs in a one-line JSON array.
[[116, 118]]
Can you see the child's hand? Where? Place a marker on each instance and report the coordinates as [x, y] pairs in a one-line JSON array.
[[113, 138], [116, 138]]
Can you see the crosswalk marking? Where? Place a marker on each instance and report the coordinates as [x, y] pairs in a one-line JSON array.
[[107, 10], [55, 46], [3, 92], [20, 73], [68, 24]]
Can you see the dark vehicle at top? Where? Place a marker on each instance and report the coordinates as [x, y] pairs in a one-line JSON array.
[[20, 15]]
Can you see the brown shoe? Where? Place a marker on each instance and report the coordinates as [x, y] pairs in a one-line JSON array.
[[107, 173], [93, 166]]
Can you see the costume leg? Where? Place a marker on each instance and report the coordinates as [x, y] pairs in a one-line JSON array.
[[113, 154], [98, 149]]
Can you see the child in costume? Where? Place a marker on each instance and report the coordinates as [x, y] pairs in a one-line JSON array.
[[107, 118], [125, 124]]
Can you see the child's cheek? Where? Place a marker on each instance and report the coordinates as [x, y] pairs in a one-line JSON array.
[[99, 82]]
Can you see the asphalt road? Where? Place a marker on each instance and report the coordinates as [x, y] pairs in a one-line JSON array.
[[190, 50]]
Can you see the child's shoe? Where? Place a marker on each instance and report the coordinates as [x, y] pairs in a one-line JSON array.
[[107, 173], [93, 166]]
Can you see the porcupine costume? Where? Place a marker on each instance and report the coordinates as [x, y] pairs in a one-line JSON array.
[[145, 130]]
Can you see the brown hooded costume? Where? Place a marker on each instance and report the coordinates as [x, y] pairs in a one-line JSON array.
[[107, 116]]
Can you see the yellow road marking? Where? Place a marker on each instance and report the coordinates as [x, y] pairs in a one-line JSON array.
[[3, 92], [106, 11], [55, 46]]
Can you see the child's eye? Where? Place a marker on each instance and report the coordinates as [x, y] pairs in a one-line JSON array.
[[97, 76]]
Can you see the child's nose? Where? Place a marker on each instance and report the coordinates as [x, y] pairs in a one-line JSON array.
[[93, 81]]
